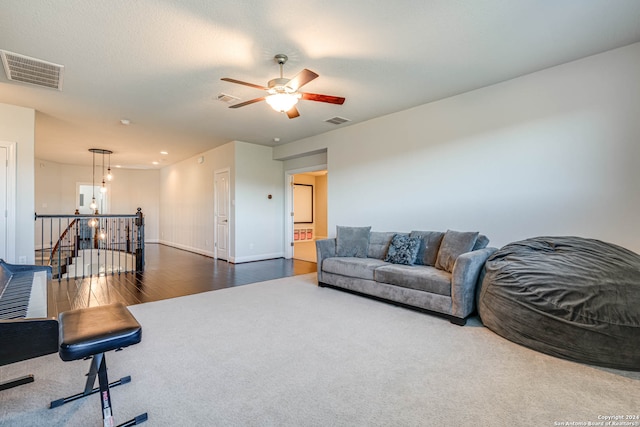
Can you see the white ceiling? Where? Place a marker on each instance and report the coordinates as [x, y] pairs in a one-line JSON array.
[[158, 63]]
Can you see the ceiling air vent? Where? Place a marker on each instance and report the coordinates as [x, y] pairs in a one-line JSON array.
[[34, 71], [223, 97], [337, 120]]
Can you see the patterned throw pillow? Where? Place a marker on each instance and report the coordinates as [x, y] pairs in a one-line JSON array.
[[403, 250]]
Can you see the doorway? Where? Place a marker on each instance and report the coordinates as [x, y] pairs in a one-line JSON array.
[[86, 194], [309, 201], [7, 201], [221, 198]]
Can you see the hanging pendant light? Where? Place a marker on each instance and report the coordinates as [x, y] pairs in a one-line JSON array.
[[109, 175], [93, 222], [93, 205], [103, 189]]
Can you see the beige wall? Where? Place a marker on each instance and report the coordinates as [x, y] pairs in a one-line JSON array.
[[186, 200], [550, 153], [17, 126], [322, 222], [56, 183], [256, 222]]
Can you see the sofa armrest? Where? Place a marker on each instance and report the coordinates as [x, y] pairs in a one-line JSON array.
[[325, 248], [464, 280]]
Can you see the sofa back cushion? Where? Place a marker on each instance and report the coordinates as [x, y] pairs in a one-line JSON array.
[[454, 244], [379, 242], [352, 241], [429, 245], [481, 243]]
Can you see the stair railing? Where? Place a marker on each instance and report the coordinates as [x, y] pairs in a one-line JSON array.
[[89, 245]]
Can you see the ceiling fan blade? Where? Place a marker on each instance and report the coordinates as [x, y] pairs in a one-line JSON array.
[[301, 79], [293, 113], [227, 79], [323, 98], [251, 101]]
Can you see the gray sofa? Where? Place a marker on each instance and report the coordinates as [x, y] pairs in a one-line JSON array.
[[441, 278]]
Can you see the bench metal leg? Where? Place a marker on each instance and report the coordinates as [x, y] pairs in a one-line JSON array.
[[99, 369]]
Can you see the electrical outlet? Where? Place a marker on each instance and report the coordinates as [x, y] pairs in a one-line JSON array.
[[22, 260]]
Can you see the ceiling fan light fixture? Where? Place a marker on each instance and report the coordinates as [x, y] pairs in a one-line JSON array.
[[283, 102], [283, 94]]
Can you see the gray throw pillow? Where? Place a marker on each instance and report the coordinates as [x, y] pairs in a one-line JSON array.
[[454, 244], [429, 245], [403, 250], [352, 241], [481, 243]]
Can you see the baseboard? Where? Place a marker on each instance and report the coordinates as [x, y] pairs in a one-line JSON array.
[[187, 248], [233, 260], [252, 258]]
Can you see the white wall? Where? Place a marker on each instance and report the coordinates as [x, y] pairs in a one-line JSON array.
[[555, 152], [17, 125], [186, 200], [130, 189], [259, 221], [187, 204]]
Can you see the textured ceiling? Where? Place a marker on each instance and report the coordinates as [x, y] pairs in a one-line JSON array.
[[158, 63]]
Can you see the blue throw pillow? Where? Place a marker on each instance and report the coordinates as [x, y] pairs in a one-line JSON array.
[[403, 250]]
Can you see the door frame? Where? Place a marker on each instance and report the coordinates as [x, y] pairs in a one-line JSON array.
[[288, 203], [11, 201], [215, 213]]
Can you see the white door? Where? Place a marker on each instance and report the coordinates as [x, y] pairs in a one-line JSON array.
[[3, 202], [221, 197], [8, 201]]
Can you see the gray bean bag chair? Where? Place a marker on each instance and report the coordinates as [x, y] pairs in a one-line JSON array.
[[569, 297]]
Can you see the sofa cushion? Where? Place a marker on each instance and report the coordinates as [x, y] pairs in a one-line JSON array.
[[429, 245], [379, 242], [403, 250], [352, 241], [362, 268], [481, 243], [418, 277], [454, 244]]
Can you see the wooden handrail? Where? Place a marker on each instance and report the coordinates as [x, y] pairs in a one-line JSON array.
[[62, 236], [70, 246]]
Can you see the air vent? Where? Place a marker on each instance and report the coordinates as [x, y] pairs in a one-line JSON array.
[[223, 97], [34, 71], [337, 120]]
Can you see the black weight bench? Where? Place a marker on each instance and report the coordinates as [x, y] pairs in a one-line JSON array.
[[87, 333]]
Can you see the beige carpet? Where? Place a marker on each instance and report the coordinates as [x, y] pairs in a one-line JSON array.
[[287, 353]]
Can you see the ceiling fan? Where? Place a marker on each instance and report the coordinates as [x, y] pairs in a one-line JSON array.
[[283, 94]]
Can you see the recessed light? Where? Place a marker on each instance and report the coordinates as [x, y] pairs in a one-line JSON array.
[[125, 122], [155, 163], [164, 153]]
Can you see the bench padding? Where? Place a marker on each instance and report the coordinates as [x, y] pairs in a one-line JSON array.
[[88, 331]]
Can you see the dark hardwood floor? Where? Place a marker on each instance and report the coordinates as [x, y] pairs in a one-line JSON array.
[[169, 273]]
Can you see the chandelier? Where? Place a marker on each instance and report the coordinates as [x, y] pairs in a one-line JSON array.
[[103, 188]]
